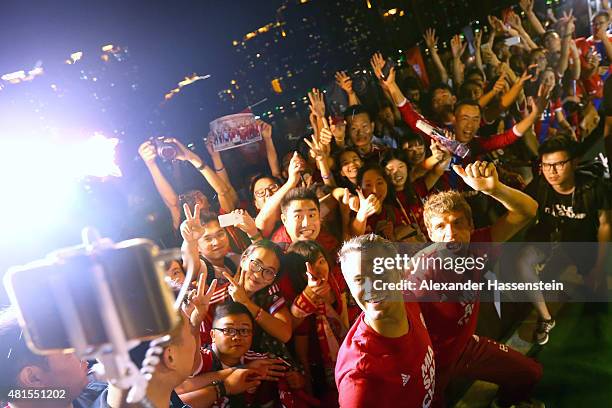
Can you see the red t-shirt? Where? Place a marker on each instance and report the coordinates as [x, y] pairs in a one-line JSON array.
[[325, 239], [377, 371], [451, 324], [592, 85]]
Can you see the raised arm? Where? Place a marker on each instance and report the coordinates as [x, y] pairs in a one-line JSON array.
[[346, 83], [566, 30], [191, 231], [482, 176], [498, 87], [319, 150], [270, 213], [515, 22], [148, 153], [227, 196], [527, 6], [536, 111], [431, 41], [458, 48], [513, 94], [266, 134], [477, 52], [368, 206]]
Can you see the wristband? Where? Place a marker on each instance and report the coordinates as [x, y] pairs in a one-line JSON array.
[[220, 388], [258, 314], [256, 236], [324, 177], [202, 166], [219, 170]]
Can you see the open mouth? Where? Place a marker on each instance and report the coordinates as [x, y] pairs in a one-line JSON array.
[[307, 232]]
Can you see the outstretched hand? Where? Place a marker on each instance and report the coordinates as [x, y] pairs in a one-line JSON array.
[[192, 228], [480, 175], [199, 300], [344, 81], [378, 63], [369, 205], [350, 200], [236, 288]]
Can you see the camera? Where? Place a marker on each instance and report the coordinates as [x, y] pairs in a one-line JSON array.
[[165, 149]]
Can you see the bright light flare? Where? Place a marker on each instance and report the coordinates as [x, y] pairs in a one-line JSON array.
[[14, 76], [96, 157], [39, 180]]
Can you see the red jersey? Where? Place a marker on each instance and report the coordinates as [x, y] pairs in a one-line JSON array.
[[325, 239], [377, 371], [592, 85], [478, 145], [451, 324]]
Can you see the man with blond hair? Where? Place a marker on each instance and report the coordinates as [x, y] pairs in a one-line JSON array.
[[452, 323]]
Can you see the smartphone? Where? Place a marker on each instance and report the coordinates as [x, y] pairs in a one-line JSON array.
[[231, 219], [387, 68], [512, 41]]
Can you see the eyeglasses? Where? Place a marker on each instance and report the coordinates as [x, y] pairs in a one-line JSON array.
[[257, 266], [554, 166], [272, 188], [208, 239], [231, 332]]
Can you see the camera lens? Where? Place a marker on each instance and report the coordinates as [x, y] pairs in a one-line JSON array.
[[167, 152]]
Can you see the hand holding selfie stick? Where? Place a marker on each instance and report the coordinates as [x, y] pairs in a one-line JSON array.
[[98, 300]]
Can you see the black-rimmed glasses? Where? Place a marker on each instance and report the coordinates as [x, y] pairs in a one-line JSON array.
[[230, 331]]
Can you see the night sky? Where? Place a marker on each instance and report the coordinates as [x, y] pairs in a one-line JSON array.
[[166, 40]]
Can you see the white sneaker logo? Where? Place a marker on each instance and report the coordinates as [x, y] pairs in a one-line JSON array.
[[405, 379]]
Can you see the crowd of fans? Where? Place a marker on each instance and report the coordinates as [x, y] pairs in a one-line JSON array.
[[282, 309]]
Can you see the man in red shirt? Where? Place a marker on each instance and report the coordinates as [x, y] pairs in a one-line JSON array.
[[300, 214], [386, 359], [467, 118], [452, 324], [595, 56]]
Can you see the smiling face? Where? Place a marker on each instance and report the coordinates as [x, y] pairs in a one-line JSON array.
[[232, 346], [357, 269], [442, 101], [398, 173], [320, 268], [301, 220], [548, 77], [467, 123], [350, 163], [263, 189], [260, 268], [175, 272], [374, 183], [451, 226], [599, 25], [415, 151], [214, 244], [473, 91], [360, 130], [552, 42]]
